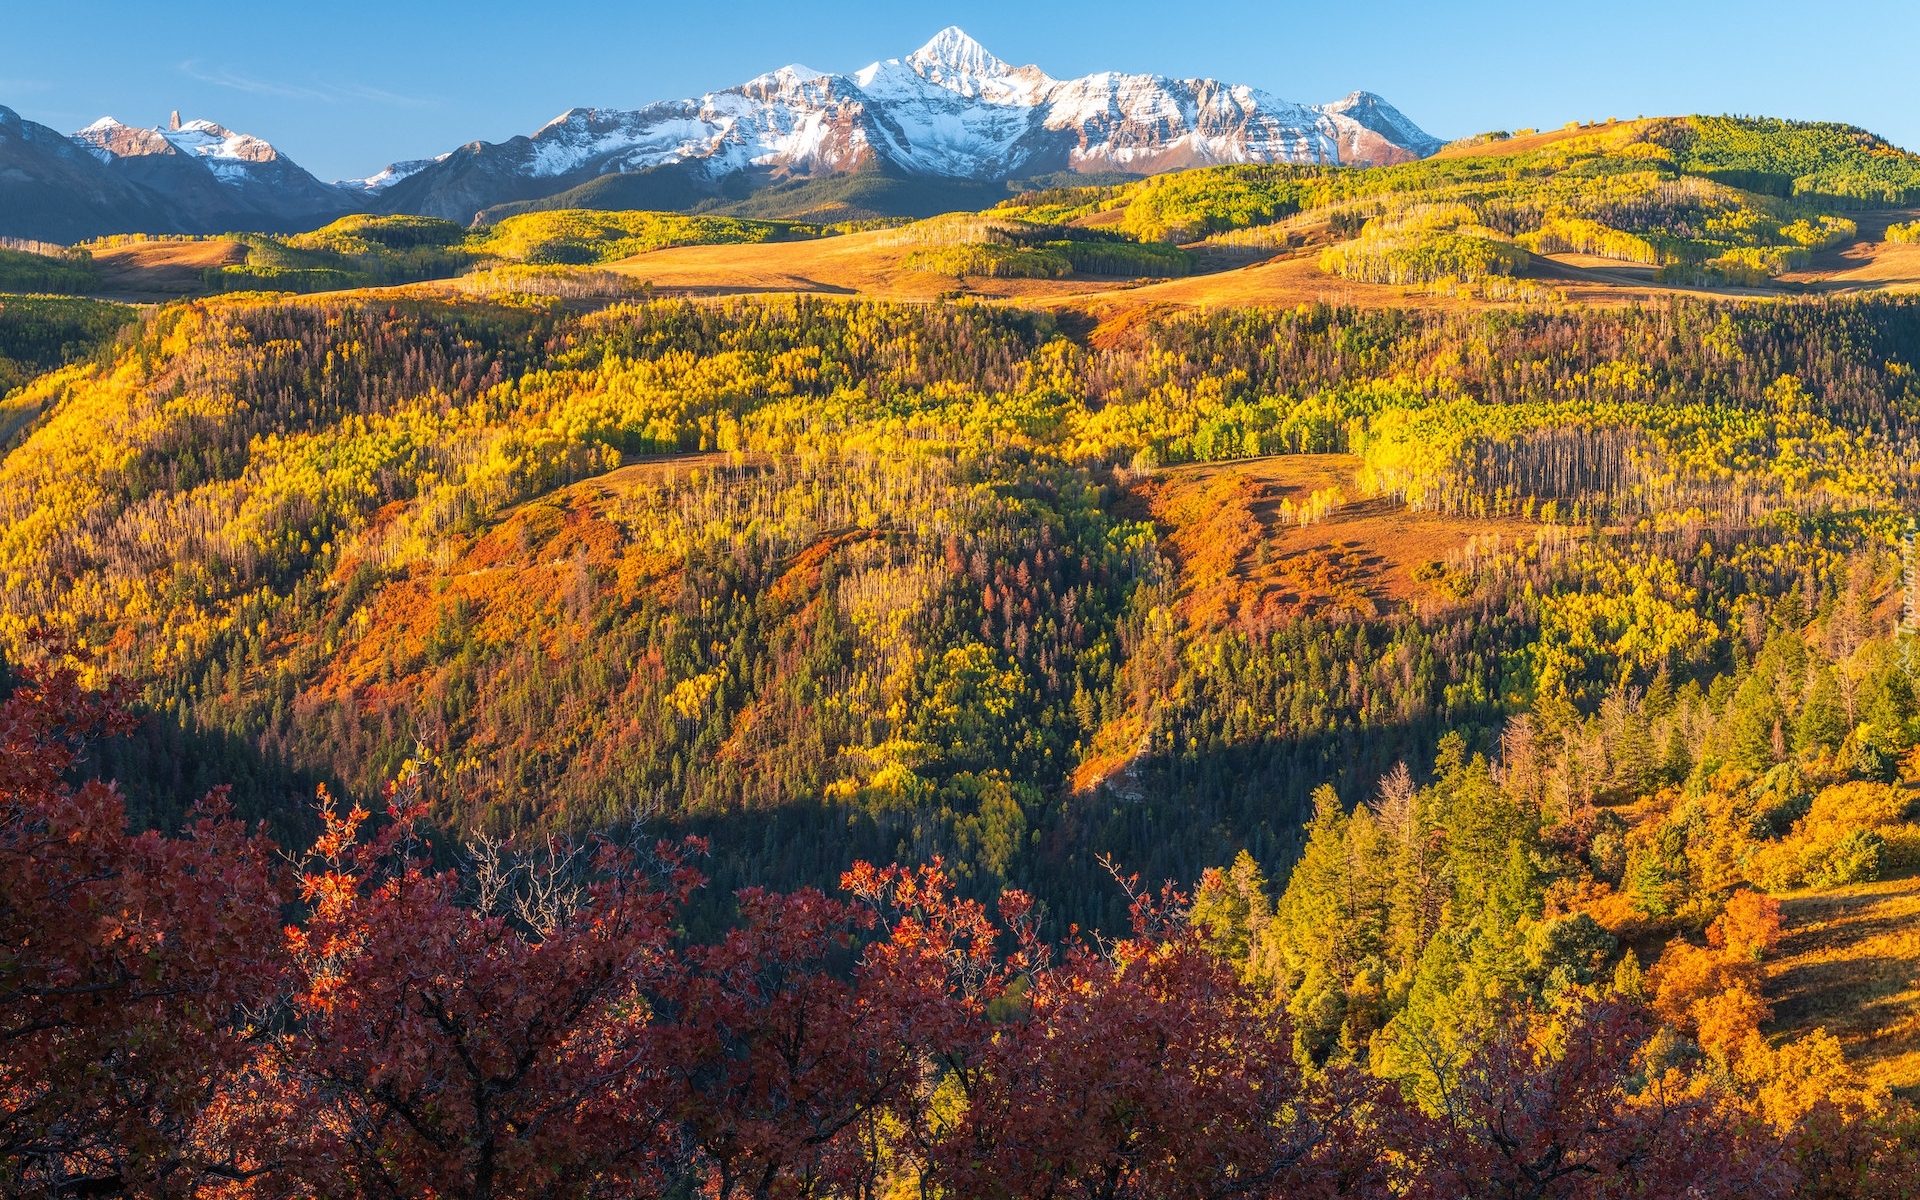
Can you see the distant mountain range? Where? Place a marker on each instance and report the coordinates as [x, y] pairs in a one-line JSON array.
[[944, 127]]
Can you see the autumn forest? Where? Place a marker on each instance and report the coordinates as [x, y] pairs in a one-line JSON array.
[[512, 741]]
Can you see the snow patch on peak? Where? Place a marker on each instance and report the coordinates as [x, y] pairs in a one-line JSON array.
[[99, 138], [219, 147], [951, 52], [956, 63], [788, 80], [573, 116], [1371, 112], [108, 139], [225, 152], [380, 181]]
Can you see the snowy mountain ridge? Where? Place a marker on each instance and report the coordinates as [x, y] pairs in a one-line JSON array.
[[213, 178], [949, 113], [950, 109]]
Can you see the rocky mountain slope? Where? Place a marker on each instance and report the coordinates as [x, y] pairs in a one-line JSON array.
[[52, 190], [110, 177], [215, 179], [948, 116], [949, 110]]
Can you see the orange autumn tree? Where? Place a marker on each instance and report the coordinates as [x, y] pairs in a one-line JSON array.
[[1713, 992], [1574, 1104]]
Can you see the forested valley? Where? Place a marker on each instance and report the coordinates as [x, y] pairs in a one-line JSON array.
[[1471, 875]]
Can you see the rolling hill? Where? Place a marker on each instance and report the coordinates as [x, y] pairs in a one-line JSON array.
[[1613, 213]]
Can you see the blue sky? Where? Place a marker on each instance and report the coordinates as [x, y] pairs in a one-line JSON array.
[[346, 87]]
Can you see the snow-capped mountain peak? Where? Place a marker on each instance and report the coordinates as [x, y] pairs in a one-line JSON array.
[[221, 148], [211, 141], [217, 178], [393, 173], [788, 76], [954, 61], [108, 139], [951, 109]]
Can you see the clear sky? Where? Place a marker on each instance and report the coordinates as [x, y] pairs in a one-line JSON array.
[[346, 87]]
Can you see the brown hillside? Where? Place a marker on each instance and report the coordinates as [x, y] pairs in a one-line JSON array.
[[1244, 561], [859, 265], [150, 272]]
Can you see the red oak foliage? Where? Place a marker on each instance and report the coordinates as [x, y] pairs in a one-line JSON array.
[[786, 1064], [1572, 1107], [547, 1031], [127, 966], [443, 1051], [1847, 1155], [1148, 1070]]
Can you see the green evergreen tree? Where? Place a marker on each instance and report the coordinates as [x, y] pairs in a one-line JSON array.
[[1823, 721]]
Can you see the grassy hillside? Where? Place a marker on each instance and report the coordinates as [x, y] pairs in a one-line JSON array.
[[374, 251], [1850, 964], [367, 251], [1614, 213], [1672, 203], [578, 237], [1705, 200]]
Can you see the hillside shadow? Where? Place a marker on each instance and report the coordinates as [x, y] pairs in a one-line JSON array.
[[163, 769]]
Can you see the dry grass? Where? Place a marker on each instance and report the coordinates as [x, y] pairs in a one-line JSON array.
[[1535, 141], [859, 265], [149, 272], [1850, 961], [1869, 264], [1241, 567], [862, 264], [856, 264]]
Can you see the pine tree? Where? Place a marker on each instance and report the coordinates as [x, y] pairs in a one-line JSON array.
[[1823, 721]]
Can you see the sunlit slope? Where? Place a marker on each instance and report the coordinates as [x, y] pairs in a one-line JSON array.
[[1618, 212], [934, 553], [1850, 963], [865, 264], [158, 270], [1605, 213]]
